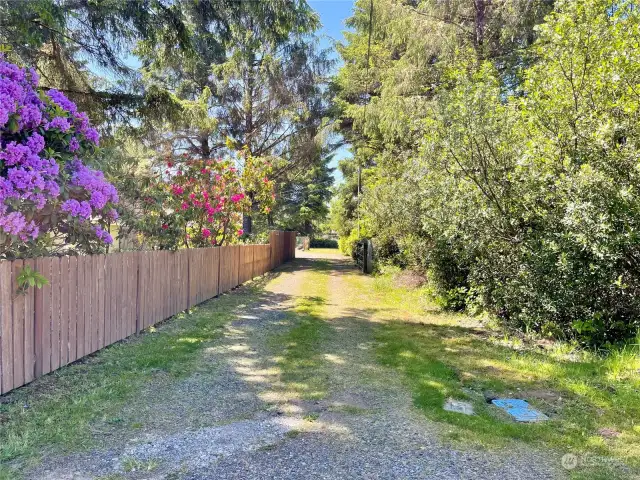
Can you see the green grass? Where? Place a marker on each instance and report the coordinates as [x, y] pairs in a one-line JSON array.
[[134, 465], [327, 251], [445, 355], [300, 359], [311, 417], [69, 409]]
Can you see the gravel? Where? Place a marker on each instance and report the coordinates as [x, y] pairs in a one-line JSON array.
[[233, 419]]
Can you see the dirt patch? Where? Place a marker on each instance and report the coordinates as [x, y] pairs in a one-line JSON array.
[[609, 433], [410, 279]]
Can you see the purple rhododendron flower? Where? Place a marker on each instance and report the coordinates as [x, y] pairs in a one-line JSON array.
[[103, 235], [74, 145], [14, 153], [92, 135], [29, 179], [16, 224], [60, 98], [35, 143], [30, 116], [77, 209], [60, 123]]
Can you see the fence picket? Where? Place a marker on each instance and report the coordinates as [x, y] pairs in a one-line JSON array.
[[72, 290], [80, 309], [18, 326], [6, 328]]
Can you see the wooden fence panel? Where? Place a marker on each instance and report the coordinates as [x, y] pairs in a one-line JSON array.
[[162, 278], [193, 277], [117, 298], [6, 328], [91, 328], [144, 293], [64, 311], [244, 268], [131, 297], [226, 267], [266, 261], [95, 305], [155, 285], [93, 301], [110, 294], [172, 285], [29, 329], [236, 266], [80, 310], [55, 313], [40, 350], [212, 271], [17, 326], [72, 291], [86, 264], [112, 291], [119, 304]]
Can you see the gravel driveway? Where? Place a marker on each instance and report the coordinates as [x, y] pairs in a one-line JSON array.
[[237, 418]]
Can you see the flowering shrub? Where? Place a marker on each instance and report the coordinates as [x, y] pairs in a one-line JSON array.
[[46, 191], [197, 202]]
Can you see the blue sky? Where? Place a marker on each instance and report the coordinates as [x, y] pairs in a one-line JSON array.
[[333, 13]]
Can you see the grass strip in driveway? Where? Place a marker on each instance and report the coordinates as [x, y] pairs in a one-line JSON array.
[[298, 350], [67, 410]]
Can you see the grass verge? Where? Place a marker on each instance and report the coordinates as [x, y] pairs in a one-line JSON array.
[[325, 251], [64, 411], [593, 402]]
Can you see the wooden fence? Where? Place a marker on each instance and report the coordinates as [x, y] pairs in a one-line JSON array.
[[94, 301]]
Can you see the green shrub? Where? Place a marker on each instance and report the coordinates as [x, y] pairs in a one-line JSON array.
[[347, 244], [323, 243], [517, 191]]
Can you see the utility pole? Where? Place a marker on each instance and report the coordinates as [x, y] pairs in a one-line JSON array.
[[358, 203], [365, 110]]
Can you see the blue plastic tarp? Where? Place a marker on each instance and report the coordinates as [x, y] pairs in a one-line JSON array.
[[519, 409]]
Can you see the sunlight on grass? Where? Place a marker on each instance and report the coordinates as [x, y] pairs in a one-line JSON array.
[[301, 361], [326, 251], [448, 355], [65, 410]]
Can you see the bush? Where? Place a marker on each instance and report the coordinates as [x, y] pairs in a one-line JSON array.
[[347, 244], [523, 199], [448, 277], [385, 250], [197, 202], [323, 243], [48, 196]]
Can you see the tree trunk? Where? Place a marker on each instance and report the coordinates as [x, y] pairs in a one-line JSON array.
[[247, 105], [480, 24], [205, 150], [247, 222]]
